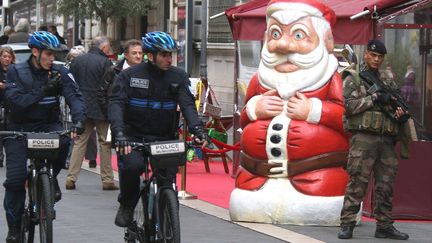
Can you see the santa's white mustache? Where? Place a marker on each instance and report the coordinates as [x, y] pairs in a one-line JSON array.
[[304, 61]]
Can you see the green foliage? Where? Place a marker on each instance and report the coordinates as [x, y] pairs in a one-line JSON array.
[[104, 8]]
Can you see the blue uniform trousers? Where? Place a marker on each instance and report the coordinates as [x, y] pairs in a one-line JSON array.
[[16, 171]]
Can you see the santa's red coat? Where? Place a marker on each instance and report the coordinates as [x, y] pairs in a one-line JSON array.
[[304, 140]]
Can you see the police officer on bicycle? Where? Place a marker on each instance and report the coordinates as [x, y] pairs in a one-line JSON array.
[[32, 92], [143, 105]]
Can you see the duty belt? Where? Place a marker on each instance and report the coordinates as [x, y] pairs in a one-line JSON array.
[[262, 167]]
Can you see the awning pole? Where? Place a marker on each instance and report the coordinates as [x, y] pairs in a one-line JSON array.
[[361, 14], [217, 15]]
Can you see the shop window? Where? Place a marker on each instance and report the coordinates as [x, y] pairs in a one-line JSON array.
[[409, 60]]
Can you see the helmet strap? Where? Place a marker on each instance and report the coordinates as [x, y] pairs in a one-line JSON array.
[[38, 59]]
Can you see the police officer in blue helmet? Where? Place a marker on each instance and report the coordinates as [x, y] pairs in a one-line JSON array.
[[143, 106], [32, 93]]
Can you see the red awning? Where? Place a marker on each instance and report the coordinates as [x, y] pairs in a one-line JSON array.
[[247, 21]]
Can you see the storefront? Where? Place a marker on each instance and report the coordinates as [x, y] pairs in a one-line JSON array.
[[405, 27]]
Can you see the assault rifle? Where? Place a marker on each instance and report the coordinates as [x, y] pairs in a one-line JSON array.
[[395, 101]]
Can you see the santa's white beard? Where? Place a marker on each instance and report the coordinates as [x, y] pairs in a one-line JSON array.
[[316, 68]]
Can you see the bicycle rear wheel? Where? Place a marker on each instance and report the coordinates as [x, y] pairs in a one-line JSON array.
[[169, 216], [27, 226], [45, 209]]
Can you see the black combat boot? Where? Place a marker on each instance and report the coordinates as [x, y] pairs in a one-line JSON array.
[[13, 235], [346, 232], [391, 233], [124, 216]]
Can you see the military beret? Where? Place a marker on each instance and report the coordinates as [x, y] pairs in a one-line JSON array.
[[376, 46]]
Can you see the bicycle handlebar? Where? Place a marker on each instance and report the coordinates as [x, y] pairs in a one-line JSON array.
[[24, 134], [146, 145]]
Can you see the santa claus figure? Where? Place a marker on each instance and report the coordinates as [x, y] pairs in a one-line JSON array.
[[293, 143]]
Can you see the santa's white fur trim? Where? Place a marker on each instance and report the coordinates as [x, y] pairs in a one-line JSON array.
[[278, 202], [287, 13], [284, 121], [315, 112], [250, 108]]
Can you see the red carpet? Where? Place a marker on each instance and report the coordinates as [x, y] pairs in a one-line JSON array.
[[214, 187]]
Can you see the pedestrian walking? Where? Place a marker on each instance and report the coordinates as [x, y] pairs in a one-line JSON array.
[[91, 152], [53, 30], [7, 31], [93, 72], [7, 57], [133, 54], [21, 34]]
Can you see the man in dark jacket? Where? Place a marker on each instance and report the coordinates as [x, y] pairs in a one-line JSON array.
[[133, 54], [93, 72], [143, 105]]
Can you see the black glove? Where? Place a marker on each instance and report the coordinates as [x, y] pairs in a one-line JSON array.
[[382, 97], [78, 127], [53, 86], [121, 140], [198, 132]]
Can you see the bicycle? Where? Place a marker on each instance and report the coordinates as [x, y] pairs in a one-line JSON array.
[[39, 206], [156, 216]]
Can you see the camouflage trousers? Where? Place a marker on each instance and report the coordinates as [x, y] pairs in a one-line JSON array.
[[370, 153]]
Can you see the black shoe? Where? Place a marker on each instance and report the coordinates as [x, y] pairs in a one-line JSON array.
[[57, 191], [92, 164], [124, 216], [13, 235], [391, 233], [345, 232]]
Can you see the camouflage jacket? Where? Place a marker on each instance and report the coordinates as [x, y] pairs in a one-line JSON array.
[[361, 113]]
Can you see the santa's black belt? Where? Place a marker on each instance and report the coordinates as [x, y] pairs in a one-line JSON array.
[[262, 167]]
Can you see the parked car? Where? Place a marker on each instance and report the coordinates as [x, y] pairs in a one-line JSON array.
[[22, 53]]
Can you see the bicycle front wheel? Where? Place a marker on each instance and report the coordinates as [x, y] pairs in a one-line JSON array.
[[27, 226], [139, 230], [169, 216], [45, 209]]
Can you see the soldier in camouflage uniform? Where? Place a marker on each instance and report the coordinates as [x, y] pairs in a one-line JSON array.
[[372, 147]]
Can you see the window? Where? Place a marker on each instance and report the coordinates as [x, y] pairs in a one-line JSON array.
[[218, 29]]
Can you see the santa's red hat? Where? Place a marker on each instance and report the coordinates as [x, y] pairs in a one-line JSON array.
[[303, 8]]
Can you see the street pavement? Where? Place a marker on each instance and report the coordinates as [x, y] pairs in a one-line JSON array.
[[87, 215]]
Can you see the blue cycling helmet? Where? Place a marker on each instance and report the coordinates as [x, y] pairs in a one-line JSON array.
[[44, 40], [158, 41]]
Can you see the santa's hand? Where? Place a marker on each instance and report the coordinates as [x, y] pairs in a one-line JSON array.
[[268, 105], [299, 107]]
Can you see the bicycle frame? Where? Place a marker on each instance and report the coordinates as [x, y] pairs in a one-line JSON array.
[[151, 190], [39, 209]]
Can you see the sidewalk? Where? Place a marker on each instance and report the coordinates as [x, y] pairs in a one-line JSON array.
[[86, 215], [213, 190]]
